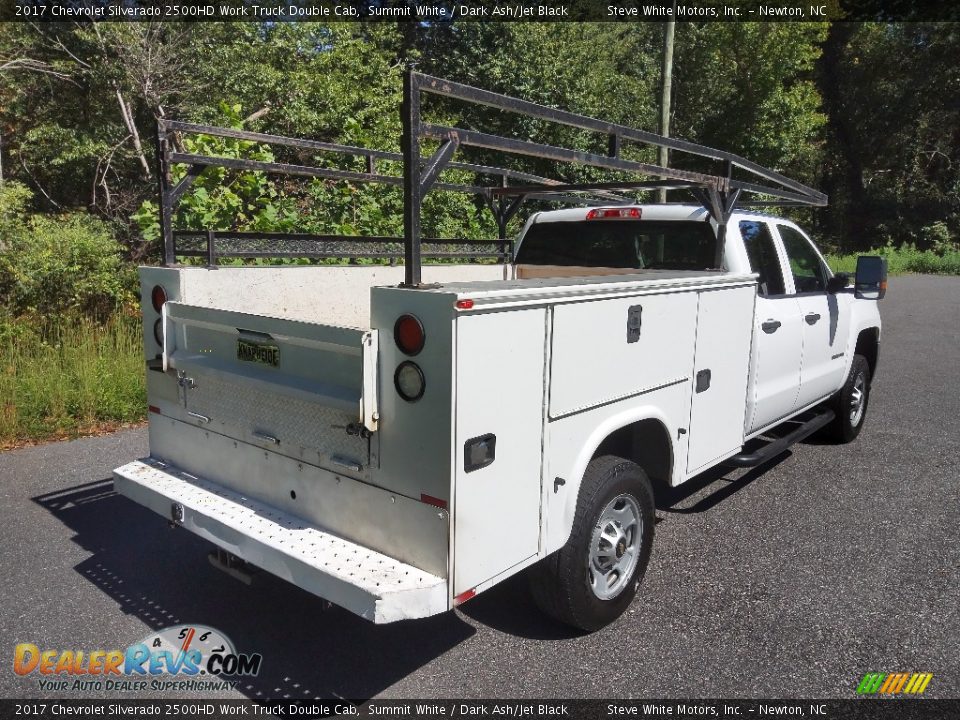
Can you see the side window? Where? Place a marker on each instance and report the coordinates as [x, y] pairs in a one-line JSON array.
[[763, 257], [809, 273]]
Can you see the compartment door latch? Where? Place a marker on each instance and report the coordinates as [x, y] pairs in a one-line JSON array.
[[633, 323]]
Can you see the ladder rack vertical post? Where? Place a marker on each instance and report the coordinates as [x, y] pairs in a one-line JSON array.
[[411, 179], [166, 202]]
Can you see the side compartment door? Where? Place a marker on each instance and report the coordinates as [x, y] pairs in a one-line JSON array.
[[825, 319], [777, 334], [721, 362], [498, 443]]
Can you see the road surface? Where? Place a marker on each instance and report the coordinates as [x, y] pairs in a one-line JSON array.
[[791, 581]]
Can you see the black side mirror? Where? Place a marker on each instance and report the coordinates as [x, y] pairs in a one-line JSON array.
[[871, 279], [837, 283]]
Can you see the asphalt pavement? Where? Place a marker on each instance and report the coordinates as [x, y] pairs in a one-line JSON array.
[[788, 581]]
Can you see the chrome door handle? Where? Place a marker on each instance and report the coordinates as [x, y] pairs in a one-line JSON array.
[[770, 326], [266, 437], [812, 318]]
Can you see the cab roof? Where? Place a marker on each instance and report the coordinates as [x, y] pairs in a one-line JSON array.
[[669, 211]]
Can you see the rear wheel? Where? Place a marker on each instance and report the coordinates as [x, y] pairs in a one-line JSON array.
[[850, 404], [592, 579]]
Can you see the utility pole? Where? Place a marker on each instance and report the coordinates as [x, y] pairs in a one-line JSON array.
[[666, 80]]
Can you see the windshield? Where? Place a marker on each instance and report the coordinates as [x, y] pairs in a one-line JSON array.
[[636, 244]]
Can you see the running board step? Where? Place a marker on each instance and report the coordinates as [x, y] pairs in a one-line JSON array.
[[357, 578], [778, 446]]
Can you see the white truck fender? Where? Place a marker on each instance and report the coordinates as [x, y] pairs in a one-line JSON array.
[[864, 315], [561, 506]]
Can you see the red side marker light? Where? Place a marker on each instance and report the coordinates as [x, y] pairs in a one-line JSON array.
[[154, 409], [464, 596], [614, 214], [430, 500], [464, 304]]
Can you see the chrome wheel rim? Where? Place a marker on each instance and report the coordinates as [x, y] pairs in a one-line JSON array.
[[614, 547], [858, 399]]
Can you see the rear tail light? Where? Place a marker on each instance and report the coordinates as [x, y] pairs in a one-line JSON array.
[[409, 381], [409, 335], [158, 296], [614, 214]]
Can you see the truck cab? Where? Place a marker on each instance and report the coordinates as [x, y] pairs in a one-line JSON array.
[[808, 325]]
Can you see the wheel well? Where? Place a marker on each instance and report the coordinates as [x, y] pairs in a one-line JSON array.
[[645, 442], [868, 345]]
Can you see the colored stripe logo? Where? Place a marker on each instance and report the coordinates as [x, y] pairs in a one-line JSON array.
[[894, 683]]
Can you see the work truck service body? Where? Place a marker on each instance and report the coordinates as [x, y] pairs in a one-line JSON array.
[[397, 448]]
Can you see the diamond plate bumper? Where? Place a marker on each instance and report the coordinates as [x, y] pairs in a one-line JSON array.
[[366, 582]]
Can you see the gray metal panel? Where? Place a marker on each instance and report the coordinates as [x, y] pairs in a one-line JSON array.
[[406, 529], [365, 582], [308, 430]]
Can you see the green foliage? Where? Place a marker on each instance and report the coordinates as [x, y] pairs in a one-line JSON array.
[[866, 111], [904, 259], [69, 377], [64, 264], [219, 198], [893, 166], [14, 200], [748, 88]]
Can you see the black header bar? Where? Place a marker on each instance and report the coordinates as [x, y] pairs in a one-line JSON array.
[[439, 11]]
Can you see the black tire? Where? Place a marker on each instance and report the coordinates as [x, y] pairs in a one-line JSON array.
[[848, 423], [561, 583]]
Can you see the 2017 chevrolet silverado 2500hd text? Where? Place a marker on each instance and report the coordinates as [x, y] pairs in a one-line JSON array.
[[398, 447]]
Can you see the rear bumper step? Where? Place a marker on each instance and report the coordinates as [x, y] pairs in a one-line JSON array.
[[366, 582], [776, 447]]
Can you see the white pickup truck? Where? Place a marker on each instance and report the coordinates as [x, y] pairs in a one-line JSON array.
[[399, 448]]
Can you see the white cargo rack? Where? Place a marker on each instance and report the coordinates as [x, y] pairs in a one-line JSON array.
[[370, 584]]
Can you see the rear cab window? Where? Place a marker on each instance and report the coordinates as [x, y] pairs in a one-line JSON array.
[[634, 244], [762, 254]]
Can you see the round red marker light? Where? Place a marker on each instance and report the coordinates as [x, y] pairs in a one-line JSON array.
[[409, 335], [158, 296]]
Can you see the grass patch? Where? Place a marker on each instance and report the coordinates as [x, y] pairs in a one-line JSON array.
[[905, 259], [69, 377]]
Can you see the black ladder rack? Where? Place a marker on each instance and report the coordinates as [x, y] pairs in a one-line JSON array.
[[718, 193]]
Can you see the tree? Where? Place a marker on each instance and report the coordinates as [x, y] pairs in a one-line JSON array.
[[893, 98]]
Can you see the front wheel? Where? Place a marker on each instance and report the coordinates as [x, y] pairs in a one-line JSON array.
[[850, 403], [592, 579]]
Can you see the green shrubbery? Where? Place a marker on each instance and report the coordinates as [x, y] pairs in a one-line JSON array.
[[70, 349], [943, 258], [59, 264], [69, 376]]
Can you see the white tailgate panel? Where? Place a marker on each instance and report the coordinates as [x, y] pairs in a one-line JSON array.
[[500, 365], [593, 363], [724, 331]]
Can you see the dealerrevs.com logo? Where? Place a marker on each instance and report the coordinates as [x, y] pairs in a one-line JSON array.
[[180, 657]]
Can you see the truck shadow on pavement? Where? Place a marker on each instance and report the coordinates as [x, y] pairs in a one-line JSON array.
[[710, 488], [162, 576]]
